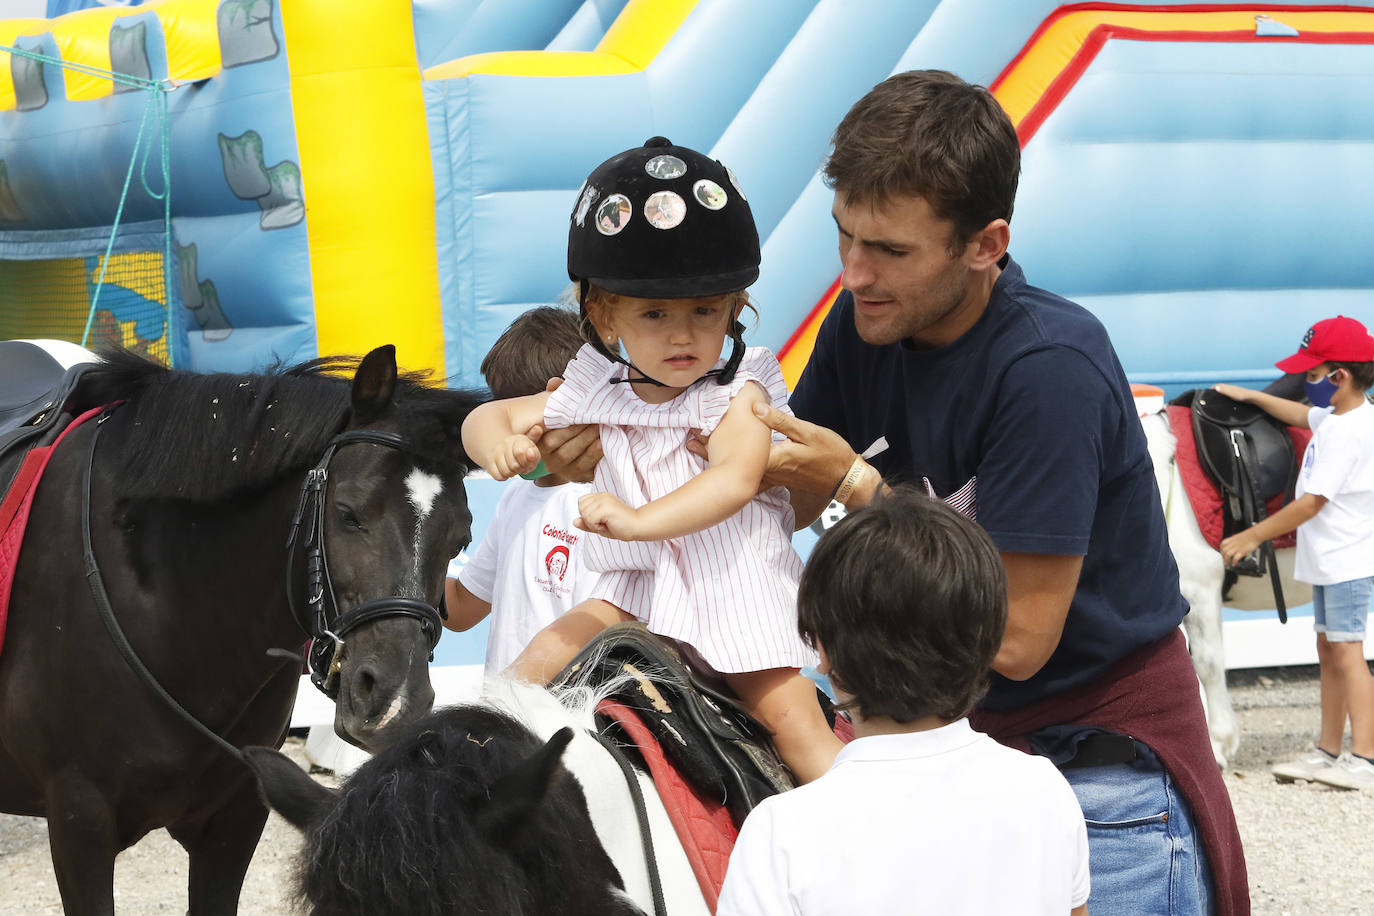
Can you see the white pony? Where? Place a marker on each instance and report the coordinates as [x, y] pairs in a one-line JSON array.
[[1200, 574], [608, 797]]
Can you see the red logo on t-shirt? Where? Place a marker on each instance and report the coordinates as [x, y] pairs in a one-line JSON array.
[[556, 562]]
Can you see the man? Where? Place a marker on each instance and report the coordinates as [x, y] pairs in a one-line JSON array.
[[943, 368]]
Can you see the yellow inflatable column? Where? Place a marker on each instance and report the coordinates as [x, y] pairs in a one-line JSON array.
[[367, 176]]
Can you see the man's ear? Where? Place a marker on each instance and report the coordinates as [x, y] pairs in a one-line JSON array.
[[988, 245], [824, 665]]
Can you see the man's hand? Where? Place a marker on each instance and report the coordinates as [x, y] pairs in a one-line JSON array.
[[813, 459], [604, 514], [571, 452]]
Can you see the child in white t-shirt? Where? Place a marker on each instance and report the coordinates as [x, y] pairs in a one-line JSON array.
[[528, 569], [1333, 512], [906, 602]]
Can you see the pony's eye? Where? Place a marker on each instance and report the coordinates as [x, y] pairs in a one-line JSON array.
[[348, 516]]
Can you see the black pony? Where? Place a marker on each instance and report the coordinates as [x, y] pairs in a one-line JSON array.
[[467, 812], [194, 483]]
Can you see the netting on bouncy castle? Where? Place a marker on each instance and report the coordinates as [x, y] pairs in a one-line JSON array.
[[80, 270]]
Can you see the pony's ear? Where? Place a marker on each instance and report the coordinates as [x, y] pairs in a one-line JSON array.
[[513, 798], [287, 788], [374, 383]]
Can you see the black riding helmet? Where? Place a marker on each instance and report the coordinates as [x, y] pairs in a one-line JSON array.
[[664, 222]]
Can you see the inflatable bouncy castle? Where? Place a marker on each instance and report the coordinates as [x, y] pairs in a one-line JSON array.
[[348, 174], [345, 174]]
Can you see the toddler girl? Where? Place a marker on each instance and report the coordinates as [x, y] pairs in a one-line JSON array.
[[662, 244]]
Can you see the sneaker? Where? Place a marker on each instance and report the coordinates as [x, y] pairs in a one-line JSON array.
[[1350, 772], [1306, 768]]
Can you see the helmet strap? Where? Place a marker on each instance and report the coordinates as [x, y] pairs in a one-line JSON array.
[[723, 376]]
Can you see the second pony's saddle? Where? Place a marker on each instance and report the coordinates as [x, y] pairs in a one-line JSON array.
[[34, 389], [722, 750], [1250, 456]]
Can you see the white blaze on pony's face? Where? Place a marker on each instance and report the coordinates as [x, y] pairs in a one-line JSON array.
[[423, 491]]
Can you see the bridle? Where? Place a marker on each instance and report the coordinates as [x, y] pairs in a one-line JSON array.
[[320, 618], [326, 626]]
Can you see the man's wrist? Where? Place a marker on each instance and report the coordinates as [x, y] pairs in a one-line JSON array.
[[859, 485]]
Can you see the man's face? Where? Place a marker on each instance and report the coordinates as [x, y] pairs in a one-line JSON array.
[[906, 281]]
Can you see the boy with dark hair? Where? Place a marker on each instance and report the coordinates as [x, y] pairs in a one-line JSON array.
[[528, 568], [906, 602], [1333, 512]]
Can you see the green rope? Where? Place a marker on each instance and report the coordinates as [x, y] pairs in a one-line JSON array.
[[156, 107]]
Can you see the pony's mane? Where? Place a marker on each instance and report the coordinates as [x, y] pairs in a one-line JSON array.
[[413, 832], [209, 437]]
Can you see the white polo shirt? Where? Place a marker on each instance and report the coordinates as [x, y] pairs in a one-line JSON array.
[[1337, 544], [529, 565], [941, 822]]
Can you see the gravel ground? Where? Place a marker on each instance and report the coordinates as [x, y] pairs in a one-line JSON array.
[[1304, 842]]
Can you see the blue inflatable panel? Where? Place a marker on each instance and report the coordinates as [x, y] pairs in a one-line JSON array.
[[1197, 197]]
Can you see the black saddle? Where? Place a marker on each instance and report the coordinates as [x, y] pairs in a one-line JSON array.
[[712, 741], [1249, 455], [34, 390]]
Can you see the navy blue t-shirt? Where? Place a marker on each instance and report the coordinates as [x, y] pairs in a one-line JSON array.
[[1029, 421]]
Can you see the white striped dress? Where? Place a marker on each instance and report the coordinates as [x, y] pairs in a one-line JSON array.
[[729, 592]]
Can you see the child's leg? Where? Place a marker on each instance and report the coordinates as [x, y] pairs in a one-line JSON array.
[[1332, 699], [1346, 613], [785, 702], [558, 643], [1357, 686]]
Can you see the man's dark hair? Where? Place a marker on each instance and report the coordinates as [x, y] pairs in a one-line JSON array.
[[1362, 374], [536, 347], [909, 600], [928, 133]]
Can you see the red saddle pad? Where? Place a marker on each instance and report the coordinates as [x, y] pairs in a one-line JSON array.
[[703, 825], [14, 512], [1203, 493]]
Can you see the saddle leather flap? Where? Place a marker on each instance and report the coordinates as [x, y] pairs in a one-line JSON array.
[[1237, 441]]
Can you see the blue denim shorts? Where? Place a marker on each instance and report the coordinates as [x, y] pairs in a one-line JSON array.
[[1342, 609], [1144, 855]]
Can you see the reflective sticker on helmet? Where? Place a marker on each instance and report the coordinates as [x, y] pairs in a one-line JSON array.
[[664, 209], [613, 214], [709, 194], [665, 167], [584, 203], [735, 181]]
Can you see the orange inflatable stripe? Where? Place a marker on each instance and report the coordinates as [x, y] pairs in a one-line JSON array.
[[1062, 47]]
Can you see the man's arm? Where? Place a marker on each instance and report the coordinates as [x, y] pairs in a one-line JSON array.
[[1040, 588]]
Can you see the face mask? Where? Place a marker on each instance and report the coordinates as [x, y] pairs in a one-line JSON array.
[[1320, 391]]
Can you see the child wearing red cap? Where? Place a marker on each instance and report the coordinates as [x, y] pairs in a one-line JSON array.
[[1333, 512]]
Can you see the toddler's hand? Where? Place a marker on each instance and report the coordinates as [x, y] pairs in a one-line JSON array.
[[606, 515], [1234, 392], [515, 455]]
